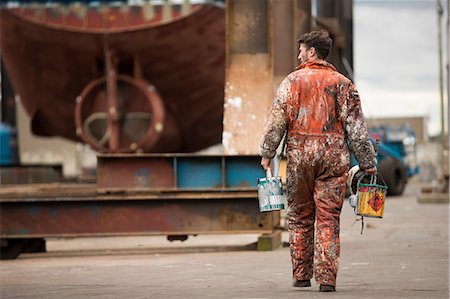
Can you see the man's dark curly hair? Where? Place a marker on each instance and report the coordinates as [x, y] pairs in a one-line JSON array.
[[320, 40]]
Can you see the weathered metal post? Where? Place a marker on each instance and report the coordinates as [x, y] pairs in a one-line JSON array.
[[248, 75], [111, 95]]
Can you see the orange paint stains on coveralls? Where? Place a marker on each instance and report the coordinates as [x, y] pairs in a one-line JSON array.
[[321, 110]]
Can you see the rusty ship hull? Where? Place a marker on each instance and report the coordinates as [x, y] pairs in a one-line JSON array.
[[52, 55]]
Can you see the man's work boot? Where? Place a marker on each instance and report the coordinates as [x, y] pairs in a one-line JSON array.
[[327, 288], [301, 283]]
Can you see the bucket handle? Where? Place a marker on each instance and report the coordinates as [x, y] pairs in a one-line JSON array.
[[373, 179], [277, 158]]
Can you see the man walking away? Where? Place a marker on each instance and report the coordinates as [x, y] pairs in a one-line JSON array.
[[320, 109]]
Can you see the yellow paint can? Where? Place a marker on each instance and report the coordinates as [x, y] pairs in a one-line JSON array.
[[372, 198]]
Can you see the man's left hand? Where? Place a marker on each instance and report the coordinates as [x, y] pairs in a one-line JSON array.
[[265, 163]]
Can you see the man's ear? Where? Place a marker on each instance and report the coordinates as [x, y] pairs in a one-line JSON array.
[[313, 51]]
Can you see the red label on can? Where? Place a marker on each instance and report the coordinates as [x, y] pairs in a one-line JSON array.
[[376, 202]]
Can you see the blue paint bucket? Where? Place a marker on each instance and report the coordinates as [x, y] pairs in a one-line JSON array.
[[270, 193]]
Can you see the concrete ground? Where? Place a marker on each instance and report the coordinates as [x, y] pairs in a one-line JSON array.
[[403, 255]]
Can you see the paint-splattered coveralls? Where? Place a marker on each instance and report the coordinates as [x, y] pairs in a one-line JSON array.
[[320, 108]]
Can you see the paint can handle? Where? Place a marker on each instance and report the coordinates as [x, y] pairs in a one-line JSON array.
[[268, 173]]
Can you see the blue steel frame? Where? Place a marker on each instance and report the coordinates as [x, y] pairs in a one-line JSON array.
[[177, 172]]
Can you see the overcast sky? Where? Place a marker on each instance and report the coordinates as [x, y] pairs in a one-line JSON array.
[[396, 58]]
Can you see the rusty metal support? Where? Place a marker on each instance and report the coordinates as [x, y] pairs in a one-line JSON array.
[[248, 76], [147, 194], [87, 214], [112, 101]]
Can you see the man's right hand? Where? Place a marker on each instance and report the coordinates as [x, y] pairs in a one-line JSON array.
[[265, 163]]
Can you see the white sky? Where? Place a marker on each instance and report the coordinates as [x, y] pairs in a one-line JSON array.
[[396, 58]]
